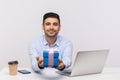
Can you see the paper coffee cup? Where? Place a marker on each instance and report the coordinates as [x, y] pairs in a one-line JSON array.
[[13, 65]]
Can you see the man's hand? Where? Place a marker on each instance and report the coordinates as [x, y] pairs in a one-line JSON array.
[[40, 62], [61, 65]]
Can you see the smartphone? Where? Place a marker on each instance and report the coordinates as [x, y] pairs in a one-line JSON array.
[[24, 71]]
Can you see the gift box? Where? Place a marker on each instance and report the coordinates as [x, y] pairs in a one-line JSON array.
[[50, 58]]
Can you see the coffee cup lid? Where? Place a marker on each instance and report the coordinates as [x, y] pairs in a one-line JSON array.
[[13, 62]]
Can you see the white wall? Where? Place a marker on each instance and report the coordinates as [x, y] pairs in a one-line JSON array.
[[89, 24]]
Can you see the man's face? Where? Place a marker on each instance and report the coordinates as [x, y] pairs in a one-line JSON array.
[[51, 27]]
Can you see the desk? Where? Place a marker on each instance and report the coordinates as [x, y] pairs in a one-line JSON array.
[[107, 74]]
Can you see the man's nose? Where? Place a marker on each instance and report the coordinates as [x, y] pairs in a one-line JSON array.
[[51, 26]]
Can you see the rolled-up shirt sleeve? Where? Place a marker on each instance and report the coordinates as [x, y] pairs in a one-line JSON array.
[[33, 54], [67, 54]]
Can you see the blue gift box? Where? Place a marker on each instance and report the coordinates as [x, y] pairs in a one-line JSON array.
[[46, 58], [56, 55]]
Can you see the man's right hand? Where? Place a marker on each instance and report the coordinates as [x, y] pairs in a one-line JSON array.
[[40, 62]]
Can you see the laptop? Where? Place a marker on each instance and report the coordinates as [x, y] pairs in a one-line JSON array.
[[88, 62]]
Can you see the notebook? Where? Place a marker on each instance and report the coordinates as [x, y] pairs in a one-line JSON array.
[[88, 62]]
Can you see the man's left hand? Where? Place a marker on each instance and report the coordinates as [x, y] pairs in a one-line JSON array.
[[61, 65]]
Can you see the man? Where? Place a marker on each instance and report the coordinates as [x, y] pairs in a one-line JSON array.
[[50, 40]]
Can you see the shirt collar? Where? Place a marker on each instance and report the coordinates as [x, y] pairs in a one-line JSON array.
[[57, 43]]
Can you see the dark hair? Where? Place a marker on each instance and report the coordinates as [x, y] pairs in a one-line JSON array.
[[51, 15]]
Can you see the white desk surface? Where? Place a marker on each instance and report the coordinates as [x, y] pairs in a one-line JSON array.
[[49, 74]]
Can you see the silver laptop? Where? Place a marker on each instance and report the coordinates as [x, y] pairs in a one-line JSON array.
[[88, 62]]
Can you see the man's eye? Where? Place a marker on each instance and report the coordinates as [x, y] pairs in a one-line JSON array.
[[55, 24], [47, 24]]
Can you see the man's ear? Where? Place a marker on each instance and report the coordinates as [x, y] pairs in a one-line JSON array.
[[60, 28], [42, 27]]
